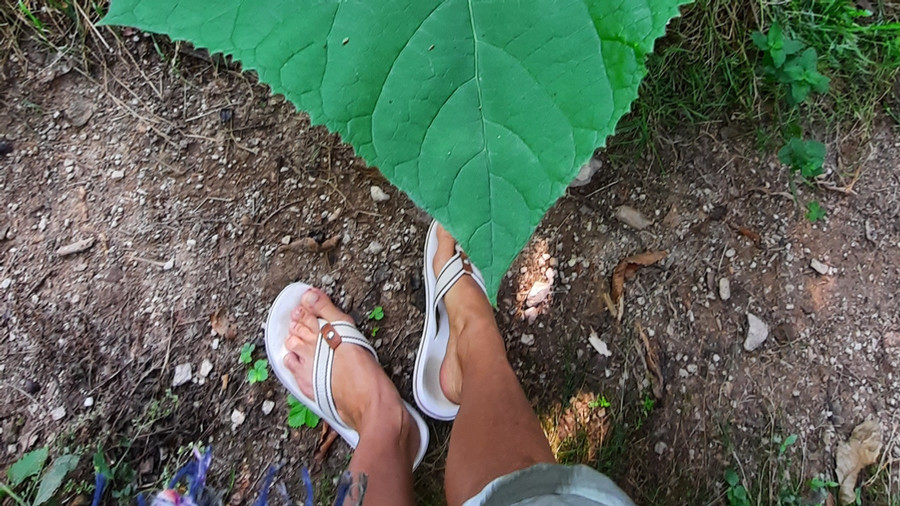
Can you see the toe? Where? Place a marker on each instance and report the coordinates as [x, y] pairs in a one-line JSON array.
[[319, 305], [445, 250], [294, 364]]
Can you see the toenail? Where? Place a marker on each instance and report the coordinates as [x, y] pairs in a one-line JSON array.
[[311, 297]]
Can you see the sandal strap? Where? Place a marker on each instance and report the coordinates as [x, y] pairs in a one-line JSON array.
[[332, 335], [458, 266]]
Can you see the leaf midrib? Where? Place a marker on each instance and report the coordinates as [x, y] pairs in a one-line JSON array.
[[484, 139]]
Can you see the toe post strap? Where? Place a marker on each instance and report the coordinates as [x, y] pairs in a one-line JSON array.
[[331, 336], [458, 266]]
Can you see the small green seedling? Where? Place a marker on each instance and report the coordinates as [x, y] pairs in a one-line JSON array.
[[736, 493], [375, 330], [817, 483], [247, 353], [259, 372], [377, 314], [599, 403], [787, 62], [803, 76], [35, 22], [805, 157], [776, 47], [788, 441], [299, 415], [815, 211]]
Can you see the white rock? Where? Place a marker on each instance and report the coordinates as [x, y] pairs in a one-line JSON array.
[[215, 344], [88, 402], [586, 173], [682, 373], [527, 339], [660, 447], [724, 289], [58, 413], [169, 265], [183, 373], [531, 314], [378, 195], [374, 248], [286, 240], [237, 418], [117, 174], [267, 407], [730, 253], [327, 280], [757, 332], [539, 292], [819, 267], [599, 345], [206, 367], [632, 217], [6, 283]]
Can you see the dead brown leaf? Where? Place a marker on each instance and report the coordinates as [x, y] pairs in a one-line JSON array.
[[326, 438], [241, 487], [625, 271], [856, 453], [651, 359], [331, 243], [222, 324], [747, 232], [310, 245]]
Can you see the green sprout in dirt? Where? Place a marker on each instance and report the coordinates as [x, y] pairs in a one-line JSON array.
[[299, 415], [736, 494], [377, 314], [601, 402], [34, 486], [259, 372], [787, 62], [805, 157], [815, 211], [247, 353]]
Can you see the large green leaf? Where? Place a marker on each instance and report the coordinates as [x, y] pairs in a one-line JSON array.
[[53, 478], [482, 111], [29, 465]]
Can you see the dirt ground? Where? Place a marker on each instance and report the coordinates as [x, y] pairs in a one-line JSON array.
[[195, 191]]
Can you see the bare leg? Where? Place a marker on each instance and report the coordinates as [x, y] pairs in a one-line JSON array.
[[366, 399], [496, 431]]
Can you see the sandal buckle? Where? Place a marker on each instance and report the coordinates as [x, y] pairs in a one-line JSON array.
[[331, 336]]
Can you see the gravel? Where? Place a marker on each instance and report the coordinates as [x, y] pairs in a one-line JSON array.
[[757, 332]]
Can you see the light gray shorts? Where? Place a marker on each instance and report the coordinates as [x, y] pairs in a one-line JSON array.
[[546, 484]]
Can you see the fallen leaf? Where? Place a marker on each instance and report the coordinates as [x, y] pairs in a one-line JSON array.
[[855, 454], [326, 438], [651, 360], [306, 244], [626, 270], [222, 324], [748, 233], [241, 487], [599, 344], [331, 243]]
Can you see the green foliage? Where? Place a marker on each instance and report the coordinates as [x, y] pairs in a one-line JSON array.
[[26, 11], [805, 157], [817, 483], [782, 63], [736, 494], [53, 478], [259, 372], [775, 47], [814, 211], [29, 465], [247, 353], [299, 415], [377, 314], [21, 473], [482, 112], [785, 444], [600, 402]]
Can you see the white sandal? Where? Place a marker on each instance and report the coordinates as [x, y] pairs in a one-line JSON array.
[[331, 335], [433, 347]]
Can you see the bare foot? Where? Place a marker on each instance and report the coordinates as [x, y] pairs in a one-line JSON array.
[[364, 395], [468, 310]]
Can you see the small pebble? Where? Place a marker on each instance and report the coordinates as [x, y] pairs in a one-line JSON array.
[[183, 373], [819, 267], [206, 367], [378, 195], [6, 283], [88, 402], [117, 175], [374, 248], [237, 418], [58, 413], [267, 407], [724, 289], [527, 339], [757, 332], [660, 448], [632, 217]]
